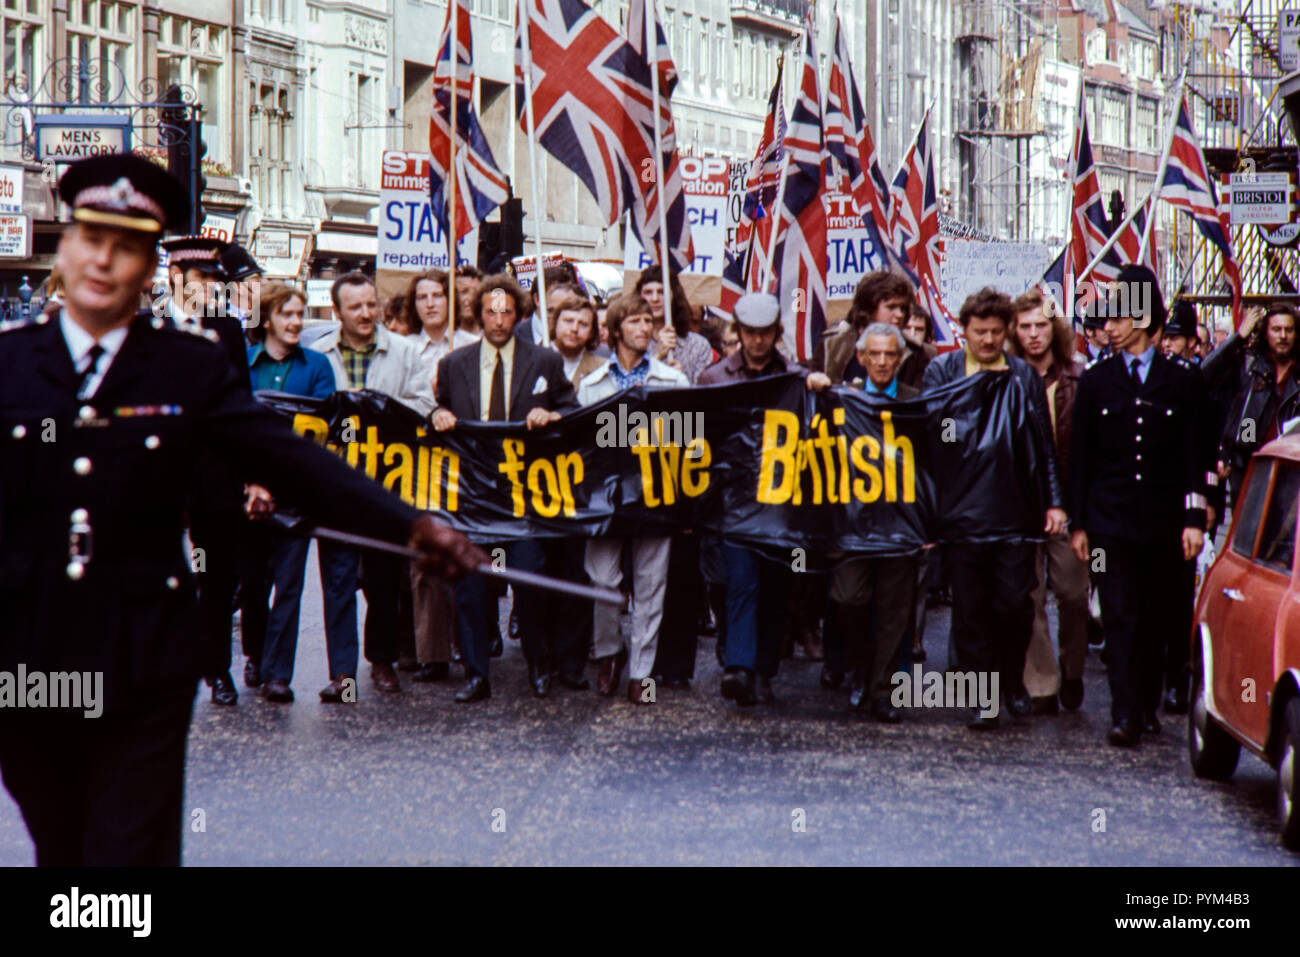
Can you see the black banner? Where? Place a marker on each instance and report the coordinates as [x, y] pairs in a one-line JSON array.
[[765, 462]]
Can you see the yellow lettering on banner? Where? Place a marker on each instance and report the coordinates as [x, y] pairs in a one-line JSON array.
[[842, 451], [422, 476], [670, 457], [550, 507], [433, 495], [861, 491], [780, 447], [371, 448], [569, 467], [512, 467], [894, 445], [643, 451], [311, 426], [353, 448], [825, 443], [401, 477], [698, 457]]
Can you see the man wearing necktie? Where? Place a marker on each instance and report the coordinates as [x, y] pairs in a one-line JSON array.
[[1141, 468], [504, 378]]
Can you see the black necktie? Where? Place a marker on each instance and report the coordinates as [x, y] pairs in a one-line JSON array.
[[95, 352], [497, 399], [1133, 370]]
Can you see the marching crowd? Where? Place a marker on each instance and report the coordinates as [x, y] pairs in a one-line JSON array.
[[1142, 423]]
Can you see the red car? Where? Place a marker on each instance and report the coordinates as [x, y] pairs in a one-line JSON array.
[[1246, 647]]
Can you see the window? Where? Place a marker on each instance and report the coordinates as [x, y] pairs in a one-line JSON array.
[[193, 54], [720, 66], [23, 29], [738, 70], [687, 62], [703, 63], [101, 36], [1250, 506], [1147, 132], [1277, 543], [1144, 59], [1113, 126]]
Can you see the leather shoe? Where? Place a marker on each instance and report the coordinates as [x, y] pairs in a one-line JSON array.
[[252, 674], [636, 693], [831, 679], [763, 690], [1176, 701], [223, 689], [981, 722], [1124, 734], [332, 693], [858, 693], [882, 710], [278, 691], [513, 627], [918, 653], [539, 679], [408, 664], [738, 685], [679, 684], [1046, 704], [435, 671], [385, 678], [1071, 693], [1019, 704], [476, 689], [610, 672], [496, 649], [574, 682], [812, 644], [1150, 723]]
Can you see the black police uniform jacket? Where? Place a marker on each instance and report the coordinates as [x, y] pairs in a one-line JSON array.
[[1141, 458], [126, 456]]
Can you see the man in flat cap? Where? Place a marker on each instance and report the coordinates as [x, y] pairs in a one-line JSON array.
[[756, 585], [1141, 468], [103, 413]]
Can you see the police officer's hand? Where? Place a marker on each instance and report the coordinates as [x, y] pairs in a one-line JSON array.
[[538, 417], [817, 381], [444, 419], [258, 502], [1079, 544], [447, 552], [1055, 521], [1193, 539]]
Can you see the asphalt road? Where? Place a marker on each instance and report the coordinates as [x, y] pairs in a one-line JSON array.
[[578, 779]]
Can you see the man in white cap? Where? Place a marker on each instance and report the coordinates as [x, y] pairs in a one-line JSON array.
[[756, 586]]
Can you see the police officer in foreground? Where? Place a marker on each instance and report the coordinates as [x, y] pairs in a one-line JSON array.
[[1141, 467], [103, 412]]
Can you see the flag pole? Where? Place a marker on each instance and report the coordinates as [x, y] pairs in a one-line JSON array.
[[1164, 160], [453, 9], [777, 212], [524, 29], [652, 58], [1114, 238]]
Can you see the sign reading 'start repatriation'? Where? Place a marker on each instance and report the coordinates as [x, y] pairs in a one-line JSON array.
[[410, 236]]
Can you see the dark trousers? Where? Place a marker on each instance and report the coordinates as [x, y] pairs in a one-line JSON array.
[[1146, 609], [476, 609], [683, 597], [103, 792], [566, 637], [874, 596], [255, 582], [219, 534], [757, 588], [380, 577], [993, 608]]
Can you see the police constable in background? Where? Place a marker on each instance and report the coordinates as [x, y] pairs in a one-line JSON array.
[[103, 415], [1141, 466]]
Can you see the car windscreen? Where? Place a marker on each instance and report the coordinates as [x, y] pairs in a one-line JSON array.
[[1277, 544], [1250, 507]]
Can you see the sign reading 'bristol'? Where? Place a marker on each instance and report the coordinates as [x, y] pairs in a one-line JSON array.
[[66, 137]]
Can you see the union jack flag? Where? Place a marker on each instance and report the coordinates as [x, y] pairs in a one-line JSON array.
[[800, 260], [645, 221], [1187, 185], [593, 106], [745, 264], [480, 187], [914, 207]]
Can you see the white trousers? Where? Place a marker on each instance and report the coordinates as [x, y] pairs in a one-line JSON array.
[[604, 563]]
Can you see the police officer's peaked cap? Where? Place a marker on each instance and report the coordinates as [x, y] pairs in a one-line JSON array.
[[1140, 297], [195, 252], [238, 263], [125, 191], [757, 310], [1182, 320]]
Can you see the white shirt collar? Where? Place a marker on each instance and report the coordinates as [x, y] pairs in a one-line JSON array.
[[80, 341]]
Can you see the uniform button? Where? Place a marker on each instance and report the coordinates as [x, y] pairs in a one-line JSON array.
[[1139, 420], [1169, 411], [76, 570], [1138, 477], [86, 412], [1139, 456], [80, 517], [19, 431], [173, 582], [1137, 438], [81, 465], [158, 322], [152, 442]]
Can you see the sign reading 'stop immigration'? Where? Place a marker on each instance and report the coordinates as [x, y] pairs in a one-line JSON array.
[[410, 237], [704, 181]]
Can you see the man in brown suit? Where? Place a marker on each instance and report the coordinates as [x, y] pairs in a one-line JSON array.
[[1047, 344]]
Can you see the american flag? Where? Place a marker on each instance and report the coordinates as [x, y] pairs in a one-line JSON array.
[[480, 187], [800, 260], [645, 220], [592, 104], [1187, 185], [745, 265]]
